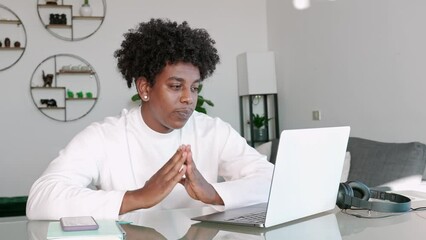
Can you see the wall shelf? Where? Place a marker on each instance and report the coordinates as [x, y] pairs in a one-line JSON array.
[[74, 92], [72, 30], [12, 28], [266, 102]]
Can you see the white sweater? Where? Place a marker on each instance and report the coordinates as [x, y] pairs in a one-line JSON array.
[[122, 153]]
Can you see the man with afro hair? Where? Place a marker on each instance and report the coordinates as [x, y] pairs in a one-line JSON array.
[[161, 154]]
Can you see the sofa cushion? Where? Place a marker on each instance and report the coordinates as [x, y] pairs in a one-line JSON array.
[[13, 206], [380, 164], [269, 149]]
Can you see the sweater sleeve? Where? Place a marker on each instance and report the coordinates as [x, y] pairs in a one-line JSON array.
[[63, 190], [247, 173]]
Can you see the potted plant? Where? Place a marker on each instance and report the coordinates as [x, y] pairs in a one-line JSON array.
[[259, 123], [85, 9], [200, 101]]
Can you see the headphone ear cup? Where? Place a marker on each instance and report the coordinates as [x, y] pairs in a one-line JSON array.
[[360, 190], [344, 190]]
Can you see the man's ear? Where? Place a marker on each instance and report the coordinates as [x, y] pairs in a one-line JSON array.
[[143, 87]]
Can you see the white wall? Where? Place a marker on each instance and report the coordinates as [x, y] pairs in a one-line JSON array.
[[29, 140], [361, 62]]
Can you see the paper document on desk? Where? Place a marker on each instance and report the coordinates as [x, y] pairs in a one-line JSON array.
[[108, 230]]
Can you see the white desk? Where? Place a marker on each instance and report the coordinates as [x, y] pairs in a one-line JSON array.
[[176, 224]]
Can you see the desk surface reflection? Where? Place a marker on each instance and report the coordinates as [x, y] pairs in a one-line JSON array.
[[177, 224]]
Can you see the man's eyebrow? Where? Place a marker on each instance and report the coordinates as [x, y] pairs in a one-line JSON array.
[[176, 78], [182, 79]]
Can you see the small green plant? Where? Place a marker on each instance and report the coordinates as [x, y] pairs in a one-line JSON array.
[[70, 94], [259, 121], [86, 2], [200, 101]]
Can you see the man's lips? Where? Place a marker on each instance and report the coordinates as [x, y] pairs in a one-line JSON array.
[[184, 113]]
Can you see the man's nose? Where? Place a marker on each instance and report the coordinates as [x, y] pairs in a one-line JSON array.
[[187, 97]]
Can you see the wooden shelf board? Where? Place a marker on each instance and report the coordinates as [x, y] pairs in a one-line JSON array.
[[3, 21], [52, 108], [88, 17], [74, 72], [11, 48], [76, 98], [58, 26], [53, 88], [54, 6]]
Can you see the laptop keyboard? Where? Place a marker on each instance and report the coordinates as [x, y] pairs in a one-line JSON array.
[[254, 218]]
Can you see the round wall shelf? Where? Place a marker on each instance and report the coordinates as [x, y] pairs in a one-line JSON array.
[[67, 21], [13, 38], [64, 87]]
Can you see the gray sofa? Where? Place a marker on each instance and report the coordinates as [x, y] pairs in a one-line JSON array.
[[388, 166], [380, 165]]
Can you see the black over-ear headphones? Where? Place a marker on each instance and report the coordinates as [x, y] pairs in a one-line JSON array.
[[357, 194]]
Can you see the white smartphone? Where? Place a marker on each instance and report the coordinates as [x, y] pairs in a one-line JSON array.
[[78, 223]]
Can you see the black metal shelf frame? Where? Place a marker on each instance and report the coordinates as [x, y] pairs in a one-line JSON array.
[[250, 99]]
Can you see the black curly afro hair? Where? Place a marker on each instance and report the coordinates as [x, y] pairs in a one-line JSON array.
[[147, 49]]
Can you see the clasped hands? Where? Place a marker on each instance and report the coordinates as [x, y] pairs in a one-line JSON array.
[[180, 169]]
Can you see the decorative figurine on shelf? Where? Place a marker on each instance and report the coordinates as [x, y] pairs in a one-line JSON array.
[[47, 80], [80, 94], [75, 68], [84, 68], [17, 44], [50, 103], [85, 9], [6, 42], [56, 18], [51, 2], [63, 19], [65, 68], [70, 94], [52, 19], [89, 95]]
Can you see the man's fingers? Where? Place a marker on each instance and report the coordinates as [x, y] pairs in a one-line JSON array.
[[175, 159], [179, 178]]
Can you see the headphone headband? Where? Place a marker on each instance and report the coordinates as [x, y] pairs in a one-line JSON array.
[[394, 202]]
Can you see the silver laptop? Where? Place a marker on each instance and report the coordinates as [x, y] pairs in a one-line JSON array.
[[305, 181], [319, 227]]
